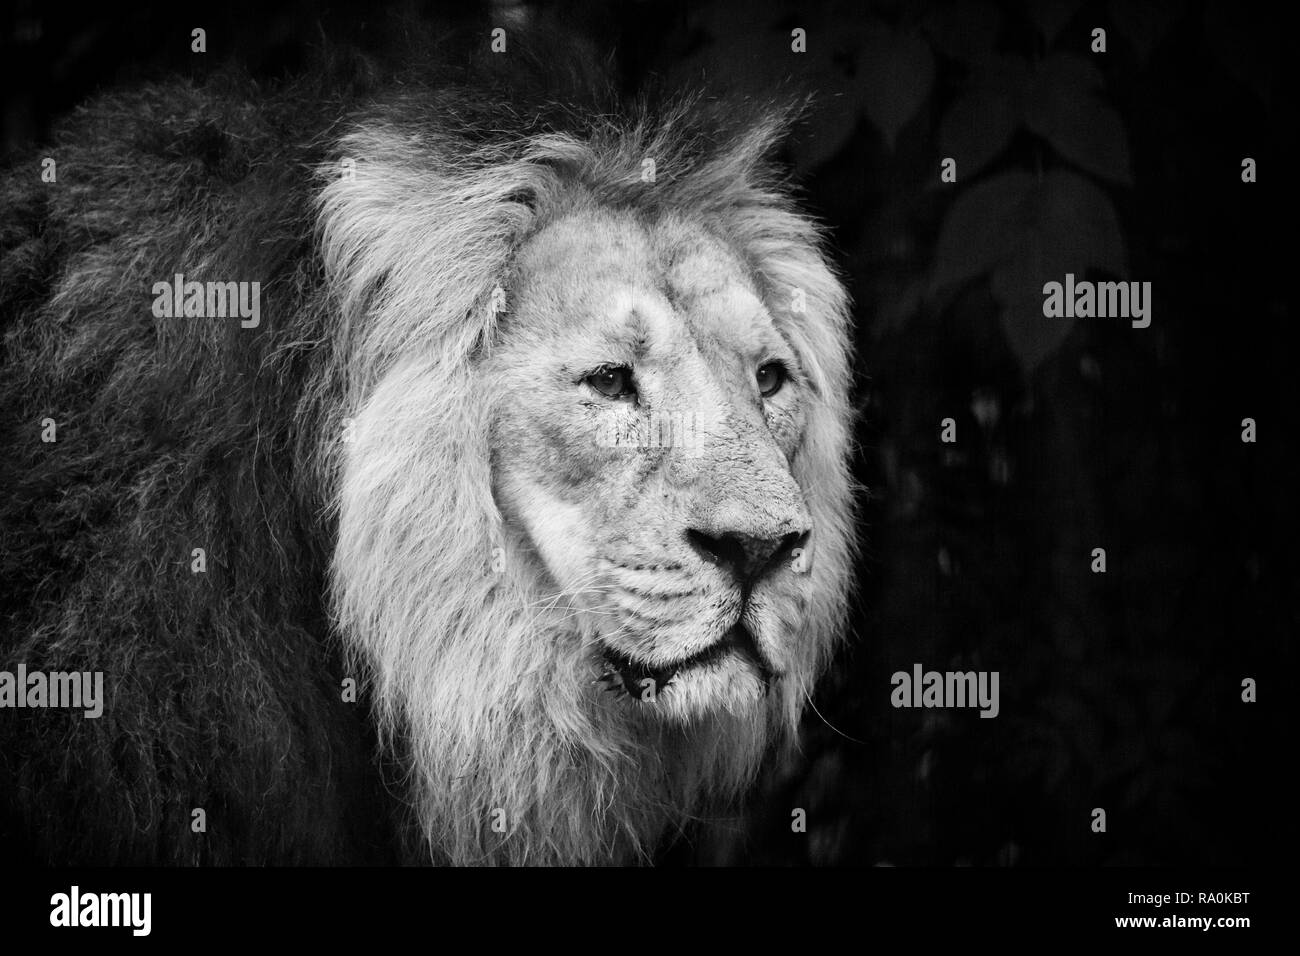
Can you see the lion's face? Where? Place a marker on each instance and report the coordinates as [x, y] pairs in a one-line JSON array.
[[593, 549], [649, 409]]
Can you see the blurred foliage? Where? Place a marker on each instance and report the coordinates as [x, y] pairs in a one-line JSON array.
[[1119, 690]]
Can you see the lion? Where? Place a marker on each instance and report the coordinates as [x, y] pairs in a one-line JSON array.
[[540, 439]]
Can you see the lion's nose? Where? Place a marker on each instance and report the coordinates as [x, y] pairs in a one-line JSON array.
[[746, 556]]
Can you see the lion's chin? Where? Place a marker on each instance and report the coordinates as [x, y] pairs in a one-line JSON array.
[[729, 675]]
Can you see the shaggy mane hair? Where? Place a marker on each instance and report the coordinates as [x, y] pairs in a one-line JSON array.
[[344, 503]]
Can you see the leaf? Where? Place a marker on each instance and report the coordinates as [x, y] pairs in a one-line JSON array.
[[1031, 336], [980, 124], [895, 75], [977, 229], [1068, 224], [1023, 233], [1144, 23], [1064, 109]]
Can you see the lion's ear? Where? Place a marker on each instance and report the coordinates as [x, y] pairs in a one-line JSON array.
[[417, 245]]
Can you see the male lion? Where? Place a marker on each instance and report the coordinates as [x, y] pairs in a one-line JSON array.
[[541, 431]]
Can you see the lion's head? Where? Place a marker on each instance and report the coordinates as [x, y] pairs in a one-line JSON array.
[[594, 515]]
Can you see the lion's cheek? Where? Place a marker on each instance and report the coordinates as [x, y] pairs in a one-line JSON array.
[[555, 443], [556, 528]]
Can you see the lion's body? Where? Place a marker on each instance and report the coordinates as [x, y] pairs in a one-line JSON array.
[[170, 437], [352, 480]]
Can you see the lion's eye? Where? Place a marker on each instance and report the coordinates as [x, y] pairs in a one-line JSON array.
[[612, 381], [770, 378]]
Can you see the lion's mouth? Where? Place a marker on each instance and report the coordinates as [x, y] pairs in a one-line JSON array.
[[643, 680]]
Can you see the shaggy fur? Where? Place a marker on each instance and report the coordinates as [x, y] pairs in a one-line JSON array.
[[329, 557]]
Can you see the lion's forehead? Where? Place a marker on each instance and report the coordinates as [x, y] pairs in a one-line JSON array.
[[594, 245], [599, 269]]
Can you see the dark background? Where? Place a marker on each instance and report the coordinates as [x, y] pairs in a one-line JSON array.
[[1119, 690]]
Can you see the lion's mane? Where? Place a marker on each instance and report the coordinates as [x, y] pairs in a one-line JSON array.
[[335, 464]]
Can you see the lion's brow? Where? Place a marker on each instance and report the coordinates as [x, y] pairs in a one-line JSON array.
[[637, 330]]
